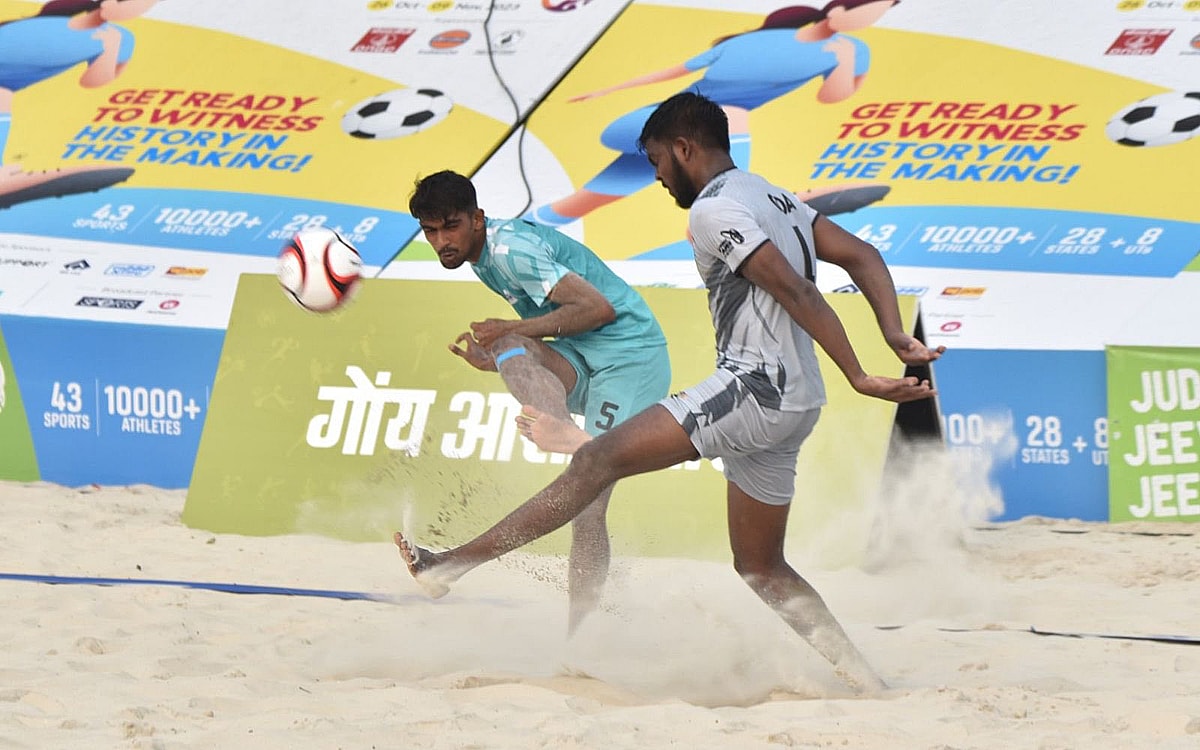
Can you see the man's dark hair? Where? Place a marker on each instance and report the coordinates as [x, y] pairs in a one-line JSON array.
[[441, 195], [687, 115]]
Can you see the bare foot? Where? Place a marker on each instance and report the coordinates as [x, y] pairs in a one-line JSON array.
[[549, 433], [422, 564]]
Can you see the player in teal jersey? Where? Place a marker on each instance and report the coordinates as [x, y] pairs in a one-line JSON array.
[[584, 343]]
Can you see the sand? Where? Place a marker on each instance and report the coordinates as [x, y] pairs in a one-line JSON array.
[[681, 656]]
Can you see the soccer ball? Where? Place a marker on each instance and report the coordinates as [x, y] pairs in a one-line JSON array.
[[319, 270], [397, 113], [1159, 120]]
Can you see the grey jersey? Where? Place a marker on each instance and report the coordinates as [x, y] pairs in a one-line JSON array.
[[736, 213]]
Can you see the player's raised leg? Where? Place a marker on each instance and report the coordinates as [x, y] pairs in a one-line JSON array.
[[540, 378], [647, 442], [756, 534]]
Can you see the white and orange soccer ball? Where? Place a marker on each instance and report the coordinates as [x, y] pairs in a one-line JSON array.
[[319, 270]]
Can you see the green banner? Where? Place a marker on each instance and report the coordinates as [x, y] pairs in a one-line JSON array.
[[356, 423], [1154, 429], [17, 459]]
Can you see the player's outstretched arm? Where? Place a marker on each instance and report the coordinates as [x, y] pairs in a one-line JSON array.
[[870, 274]]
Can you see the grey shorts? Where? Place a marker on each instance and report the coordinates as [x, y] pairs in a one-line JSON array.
[[757, 446]]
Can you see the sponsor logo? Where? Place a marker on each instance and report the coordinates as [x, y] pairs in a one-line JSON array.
[[906, 291], [111, 303], [1134, 42], [507, 40], [450, 39], [1194, 45], [729, 238], [23, 262], [129, 269], [964, 292], [950, 326], [77, 265], [185, 272], [168, 304], [561, 6], [382, 40]]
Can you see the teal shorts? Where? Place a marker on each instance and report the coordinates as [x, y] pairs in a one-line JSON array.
[[612, 386]]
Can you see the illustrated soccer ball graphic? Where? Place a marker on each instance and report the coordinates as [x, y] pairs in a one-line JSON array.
[[319, 270], [397, 113], [1159, 120]]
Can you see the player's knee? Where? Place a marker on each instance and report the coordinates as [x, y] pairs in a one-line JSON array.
[[511, 345], [756, 569], [593, 463]]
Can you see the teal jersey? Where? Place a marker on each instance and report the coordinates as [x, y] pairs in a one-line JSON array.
[[522, 262]]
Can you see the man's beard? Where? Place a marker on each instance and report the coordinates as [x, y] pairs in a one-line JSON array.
[[685, 192]]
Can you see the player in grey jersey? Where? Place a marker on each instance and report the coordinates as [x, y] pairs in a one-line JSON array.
[[756, 248]]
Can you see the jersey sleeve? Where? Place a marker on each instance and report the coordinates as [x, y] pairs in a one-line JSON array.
[[725, 230], [529, 263]]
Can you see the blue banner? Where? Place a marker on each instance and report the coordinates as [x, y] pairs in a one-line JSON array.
[[223, 222], [1040, 418], [1014, 239], [111, 403]]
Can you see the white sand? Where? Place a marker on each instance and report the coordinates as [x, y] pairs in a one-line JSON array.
[[682, 655]]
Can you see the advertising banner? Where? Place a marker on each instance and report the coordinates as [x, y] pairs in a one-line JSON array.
[[354, 423], [1154, 418], [1042, 435], [883, 113], [111, 403]]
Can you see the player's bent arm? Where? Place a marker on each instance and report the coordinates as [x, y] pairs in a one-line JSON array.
[[581, 308], [767, 269], [866, 268], [870, 274]]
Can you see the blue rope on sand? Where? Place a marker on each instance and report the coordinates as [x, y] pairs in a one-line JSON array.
[[230, 588]]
